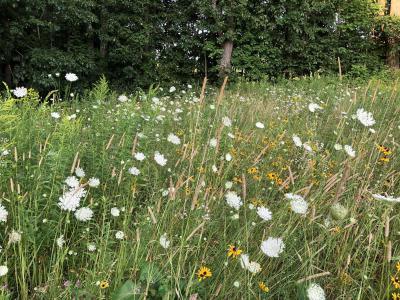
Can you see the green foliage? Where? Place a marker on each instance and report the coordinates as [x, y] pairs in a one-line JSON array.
[[137, 43], [127, 291]]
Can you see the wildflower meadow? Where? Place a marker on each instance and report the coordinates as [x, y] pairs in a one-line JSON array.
[[244, 191]]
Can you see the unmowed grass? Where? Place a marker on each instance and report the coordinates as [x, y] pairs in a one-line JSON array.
[[351, 256]]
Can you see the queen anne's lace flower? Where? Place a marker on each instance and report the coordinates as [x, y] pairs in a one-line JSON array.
[[3, 214], [164, 242], [172, 138], [315, 292], [264, 213], [20, 92], [350, 151], [233, 200], [3, 270], [366, 118], [272, 247], [160, 159], [71, 77], [84, 214]]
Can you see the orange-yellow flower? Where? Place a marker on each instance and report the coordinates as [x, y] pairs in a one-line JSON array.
[[233, 251], [203, 273]]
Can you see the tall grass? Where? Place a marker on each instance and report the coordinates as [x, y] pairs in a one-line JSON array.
[[351, 254]]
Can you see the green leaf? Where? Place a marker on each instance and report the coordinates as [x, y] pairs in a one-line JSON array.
[[125, 292]]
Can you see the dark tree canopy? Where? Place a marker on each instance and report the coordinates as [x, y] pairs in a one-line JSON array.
[[137, 43]]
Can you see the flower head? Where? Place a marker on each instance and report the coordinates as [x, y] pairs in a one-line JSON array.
[[366, 118], [94, 182], [395, 281], [139, 156], [350, 151], [71, 77], [122, 98], [104, 284], [84, 214], [272, 247], [172, 138], [3, 270], [160, 159], [164, 242], [315, 292], [3, 213], [264, 213], [263, 287], [20, 92], [233, 200], [312, 107], [203, 273], [234, 251]]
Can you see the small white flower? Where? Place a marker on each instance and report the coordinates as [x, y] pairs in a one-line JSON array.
[[164, 242], [14, 237], [122, 98], [3, 213], [70, 200], [214, 168], [366, 118], [71, 77], [226, 121], [228, 185], [350, 151], [3, 270], [84, 214], [172, 138], [60, 241], [233, 200], [172, 89], [297, 141], [55, 115], [315, 292], [213, 143], [94, 182], [307, 147], [119, 235], [299, 206], [254, 267], [272, 247], [236, 284], [71, 117], [264, 213], [115, 212], [139, 156], [20, 92], [260, 125], [91, 247], [134, 171], [72, 181], [313, 107], [338, 147], [228, 157], [160, 159], [79, 172]]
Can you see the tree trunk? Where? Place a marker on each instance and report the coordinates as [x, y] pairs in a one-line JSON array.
[[103, 29], [392, 55], [225, 64], [7, 74]]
